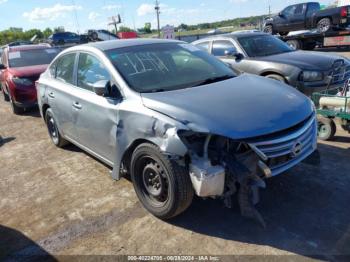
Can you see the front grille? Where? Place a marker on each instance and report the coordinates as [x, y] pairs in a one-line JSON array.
[[340, 72], [284, 151]]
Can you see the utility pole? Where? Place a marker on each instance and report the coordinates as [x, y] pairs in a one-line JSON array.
[[157, 8], [269, 10]]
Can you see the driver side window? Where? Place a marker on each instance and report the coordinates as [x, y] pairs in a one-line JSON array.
[[90, 71]]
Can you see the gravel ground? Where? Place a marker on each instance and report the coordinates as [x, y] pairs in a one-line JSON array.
[[63, 202]]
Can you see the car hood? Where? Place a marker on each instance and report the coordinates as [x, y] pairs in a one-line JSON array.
[[306, 60], [243, 107], [28, 71]]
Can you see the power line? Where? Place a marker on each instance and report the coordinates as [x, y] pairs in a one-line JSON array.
[[76, 16]]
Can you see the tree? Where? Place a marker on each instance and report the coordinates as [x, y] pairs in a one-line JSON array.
[[47, 32], [147, 28], [125, 29]]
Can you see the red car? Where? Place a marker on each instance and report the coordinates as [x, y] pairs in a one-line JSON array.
[[20, 67]]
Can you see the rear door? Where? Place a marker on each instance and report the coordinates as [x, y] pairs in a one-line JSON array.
[[60, 93], [96, 115]]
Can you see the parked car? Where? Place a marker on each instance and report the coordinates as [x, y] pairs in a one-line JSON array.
[[21, 66], [63, 38], [175, 118], [266, 55], [307, 16]]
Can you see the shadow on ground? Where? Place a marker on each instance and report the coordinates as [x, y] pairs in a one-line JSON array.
[[306, 211], [33, 112], [15, 246], [6, 140]]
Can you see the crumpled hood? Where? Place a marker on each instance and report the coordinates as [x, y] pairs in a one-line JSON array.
[[305, 60], [243, 107]]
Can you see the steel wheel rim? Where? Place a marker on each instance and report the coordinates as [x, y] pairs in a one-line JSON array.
[[154, 182], [268, 30], [324, 26], [51, 125]]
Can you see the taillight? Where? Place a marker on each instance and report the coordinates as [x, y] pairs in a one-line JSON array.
[[344, 11]]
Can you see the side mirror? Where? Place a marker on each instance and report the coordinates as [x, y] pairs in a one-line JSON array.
[[101, 87], [280, 14], [2, 67]]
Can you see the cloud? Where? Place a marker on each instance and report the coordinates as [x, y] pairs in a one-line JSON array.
[[3, 1], [39, 14], [111, 7], [93, 16], [145, 9]]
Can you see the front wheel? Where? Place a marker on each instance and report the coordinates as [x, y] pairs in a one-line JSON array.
[[276, 77], [15, 109], [6, 96], [324, 25], [326, 128], [268, 29], [163, 187]]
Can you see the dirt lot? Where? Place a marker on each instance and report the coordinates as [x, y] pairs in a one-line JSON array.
[[63, 202]]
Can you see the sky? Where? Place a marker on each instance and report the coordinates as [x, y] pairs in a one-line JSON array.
[[80, 15]]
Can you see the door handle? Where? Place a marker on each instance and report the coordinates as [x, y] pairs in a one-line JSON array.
[[51, 94], [77, 105]]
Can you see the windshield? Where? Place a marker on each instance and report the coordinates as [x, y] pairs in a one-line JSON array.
[[166, 67], [32, 57], [263, 45]]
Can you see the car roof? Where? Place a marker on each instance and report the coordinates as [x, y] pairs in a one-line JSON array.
[[28, 47], [237, 34], [114, 44]]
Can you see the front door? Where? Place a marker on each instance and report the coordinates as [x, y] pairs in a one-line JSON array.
[[96, 121]]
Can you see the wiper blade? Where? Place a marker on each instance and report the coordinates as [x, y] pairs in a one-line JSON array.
[[213, 80]]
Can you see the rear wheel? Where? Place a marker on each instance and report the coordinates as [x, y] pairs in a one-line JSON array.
[[163, 187], [324, 25], [326, 128], [276, 77], [55, 135]]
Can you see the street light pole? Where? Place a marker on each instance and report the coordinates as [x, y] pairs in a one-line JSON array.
[[157, 8]]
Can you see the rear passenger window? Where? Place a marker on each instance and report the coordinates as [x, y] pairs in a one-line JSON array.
[[90, 71], [204, 46], [65, 68]]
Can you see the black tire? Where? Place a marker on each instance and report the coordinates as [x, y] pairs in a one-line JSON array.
[[52, 128], [15, 109], [268, 29], [324, 25], [163, 187], [6, 96], [283, 33], [276, 77], [326, 128], [295, 44]]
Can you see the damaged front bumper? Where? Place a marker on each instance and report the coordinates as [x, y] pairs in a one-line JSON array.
[[218, 171]]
